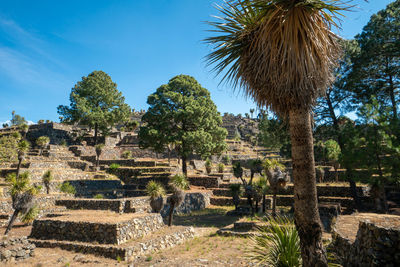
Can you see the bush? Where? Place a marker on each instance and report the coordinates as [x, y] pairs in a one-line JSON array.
[[235, 189], [114, 167], [66, 187], [277, 245], [63, 143], [127, 154], [221, 167], [98, 196], [226, 159]]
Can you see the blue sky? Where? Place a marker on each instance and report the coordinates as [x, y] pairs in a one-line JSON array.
[[46, 46]]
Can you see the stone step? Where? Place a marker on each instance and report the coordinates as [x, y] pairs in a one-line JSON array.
[[166, 237], [104, 227]]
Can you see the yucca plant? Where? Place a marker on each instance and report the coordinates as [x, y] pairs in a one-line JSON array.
[[277, 178], [42, 142], [22, 147], [178, 184], [236, 191], [31, 215], [46, 179], [156, 192], [262, 186], [99, 149], [22, 195], [278, 244], [208, 166], [282, 53]]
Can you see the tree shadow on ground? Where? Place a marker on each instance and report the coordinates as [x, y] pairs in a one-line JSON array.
[[209, 217]]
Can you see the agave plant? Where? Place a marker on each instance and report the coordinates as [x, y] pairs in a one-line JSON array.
[[178, 184], [156, 192], [42, 142], [277, 245], [22, 195], [46, 179]]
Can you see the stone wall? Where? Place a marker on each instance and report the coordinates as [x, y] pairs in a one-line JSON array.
[[124, 205], [103, 233], [375, 245], [205, 181], [16, 248], [193, 201], [44, 203]]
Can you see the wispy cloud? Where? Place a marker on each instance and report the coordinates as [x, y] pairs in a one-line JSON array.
[[27, 60]]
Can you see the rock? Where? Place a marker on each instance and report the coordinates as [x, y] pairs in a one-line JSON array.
[[62, 260]]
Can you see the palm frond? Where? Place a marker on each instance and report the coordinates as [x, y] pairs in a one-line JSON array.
[[280, 52]]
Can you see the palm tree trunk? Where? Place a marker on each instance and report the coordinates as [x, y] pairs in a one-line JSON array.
[[184, 165], [306, 213], [12, 220], [171, 213]]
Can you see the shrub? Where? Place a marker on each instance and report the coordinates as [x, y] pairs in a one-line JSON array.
[[221, 167], [277, 245], [127, 154], [98, 196], [66, 187], [155, 190], [226, 159], [63, 142], [235, 189], [114, 167]]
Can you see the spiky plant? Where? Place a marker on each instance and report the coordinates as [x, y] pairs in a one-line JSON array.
[[31, 215], [99, 149], [178, 183], [22, 147], [277, 178], [263, 188], [282, 53], [22, 195], [42, 142], [46, 179], [236, 191], [278, 245], [156, 192]]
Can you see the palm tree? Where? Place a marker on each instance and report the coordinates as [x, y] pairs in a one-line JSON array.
[[99, 150], [42, 142], [282, 53], [178, 185], [156, 192], [263, 188], [276, 178], [46, 179], [235, 190], [22, 148], [22, 194]]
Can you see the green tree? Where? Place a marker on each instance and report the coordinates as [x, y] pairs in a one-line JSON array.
[[182, 112], [274, 134], [95, 102], [332, 155], [17, 120], [282, 52], [375, 69]]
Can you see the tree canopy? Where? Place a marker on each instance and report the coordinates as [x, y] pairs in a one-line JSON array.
[[95, 102], [182, 113]]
